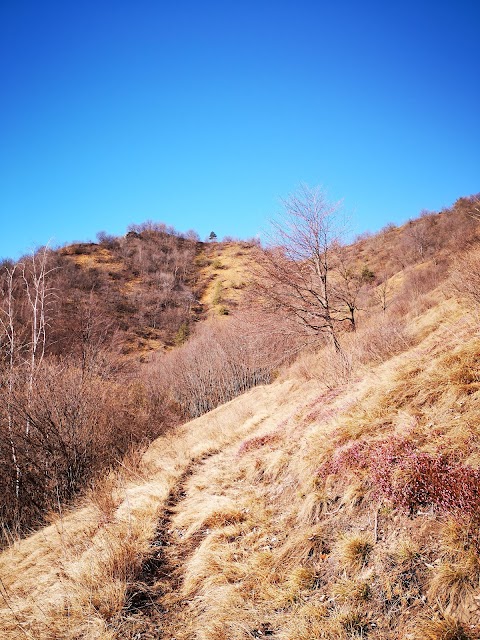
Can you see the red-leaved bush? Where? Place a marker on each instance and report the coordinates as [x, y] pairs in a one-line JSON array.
[[412, 479]]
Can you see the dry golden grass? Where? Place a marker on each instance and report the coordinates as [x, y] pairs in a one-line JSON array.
[[100, 258], [352, 591], [70, 578], [224, 276], [255, 540], [446, 628], [453, 584], [307, 622], [353, 550]]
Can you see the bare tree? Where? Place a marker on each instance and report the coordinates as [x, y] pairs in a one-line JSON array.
[[295, 272], [382, 293], [475, 214], [23, 282], [7, 324], [34, 275], [419, 238], [466, 275]]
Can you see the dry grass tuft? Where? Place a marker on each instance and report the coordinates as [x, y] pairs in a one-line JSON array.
[[224, 518], [300, 580], [353, 550], [464, 369], [352, 621], [109, 599], [352, 591], [405, 552], [457, 537], [307, 621], [445, 629], [453, 582], [307, 544]]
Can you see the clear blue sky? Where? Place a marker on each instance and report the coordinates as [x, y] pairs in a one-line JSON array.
[[204, 114]]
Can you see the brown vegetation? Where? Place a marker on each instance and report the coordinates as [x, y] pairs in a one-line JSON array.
[[75, 327], [340, 501]]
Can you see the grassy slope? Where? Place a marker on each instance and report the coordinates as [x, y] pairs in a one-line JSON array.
[[252, 539], [286, 553], [261, 517], [223, 275]]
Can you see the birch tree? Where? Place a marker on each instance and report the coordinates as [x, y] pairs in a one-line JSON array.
[[7, 325], [38, 294]]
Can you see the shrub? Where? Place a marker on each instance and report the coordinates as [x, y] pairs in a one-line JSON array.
[[182, 334], [215, 365], [412, 479], [367, 274], [351, 456], [218, 294], [257, 442]]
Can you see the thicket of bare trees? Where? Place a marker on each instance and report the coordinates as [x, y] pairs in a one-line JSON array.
[[70, 404], [142, 284], [223, 359]]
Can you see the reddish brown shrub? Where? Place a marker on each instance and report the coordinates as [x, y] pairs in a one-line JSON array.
[[351, 456], [412, 479]]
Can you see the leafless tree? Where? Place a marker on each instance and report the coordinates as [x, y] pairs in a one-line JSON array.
[[295, 271], [34, 274], [466, 275], [382, 293], [420, 238], [475, 214], [7, 325], [349, 286]]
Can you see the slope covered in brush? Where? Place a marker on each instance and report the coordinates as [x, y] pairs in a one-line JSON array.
[[297, 510], [79, 329], [339, 501]]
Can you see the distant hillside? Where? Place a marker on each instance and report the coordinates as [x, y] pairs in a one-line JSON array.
[[144, 286]]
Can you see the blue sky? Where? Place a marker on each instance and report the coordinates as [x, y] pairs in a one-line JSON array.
[[204, 114]]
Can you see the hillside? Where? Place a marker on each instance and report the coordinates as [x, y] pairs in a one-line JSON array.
[[146, 285], [339, 501], [80, 330]]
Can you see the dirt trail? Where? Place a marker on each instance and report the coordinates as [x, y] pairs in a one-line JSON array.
[[144, 616]]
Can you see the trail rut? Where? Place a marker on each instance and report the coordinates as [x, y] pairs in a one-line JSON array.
[[144, 616]]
